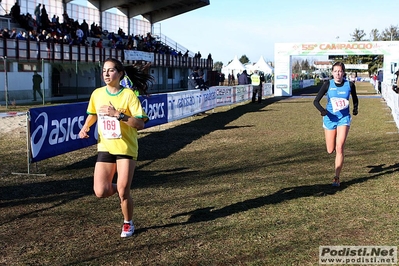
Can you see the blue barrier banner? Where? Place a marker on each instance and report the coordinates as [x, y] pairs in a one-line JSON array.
[[224, 95], [156, 107], [54, 130], [267, 89], [187, 103], [242, 93], [208, 99], [183, 104]]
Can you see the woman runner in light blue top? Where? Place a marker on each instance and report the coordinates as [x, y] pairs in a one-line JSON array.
[[336, 115]]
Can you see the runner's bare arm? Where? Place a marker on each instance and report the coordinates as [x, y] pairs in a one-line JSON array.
[[90, 120]]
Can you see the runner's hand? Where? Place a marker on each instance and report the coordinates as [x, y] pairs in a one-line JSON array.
[[83, 132]]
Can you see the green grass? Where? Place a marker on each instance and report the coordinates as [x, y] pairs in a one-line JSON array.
[[246, 185]]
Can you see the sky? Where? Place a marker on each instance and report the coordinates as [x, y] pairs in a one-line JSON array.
[[229, 28]]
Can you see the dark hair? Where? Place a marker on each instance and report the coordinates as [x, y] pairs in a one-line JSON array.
[[339, 64], [118, 65], [137, 73], [140, 76]]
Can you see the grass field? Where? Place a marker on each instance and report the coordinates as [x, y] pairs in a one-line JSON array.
[[244, 185]]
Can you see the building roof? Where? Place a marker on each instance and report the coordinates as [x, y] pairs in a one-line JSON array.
[[153, 10]]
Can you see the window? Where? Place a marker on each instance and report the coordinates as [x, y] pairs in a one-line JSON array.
[[29, 67]]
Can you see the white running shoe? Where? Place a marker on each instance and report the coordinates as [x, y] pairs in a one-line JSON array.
[[127, 230]]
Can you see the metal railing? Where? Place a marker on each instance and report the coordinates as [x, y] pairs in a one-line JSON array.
[[36, 50]]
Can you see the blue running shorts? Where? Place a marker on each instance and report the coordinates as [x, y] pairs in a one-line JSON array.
[[331, 122]]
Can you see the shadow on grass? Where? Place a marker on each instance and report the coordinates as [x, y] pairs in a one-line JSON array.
[[161, 144], [152, 147], [83, 164], [380, 168], [286, 194], [58, 192], [309, 91]]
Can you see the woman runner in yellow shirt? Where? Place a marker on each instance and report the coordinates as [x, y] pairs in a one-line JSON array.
[[119, 114]]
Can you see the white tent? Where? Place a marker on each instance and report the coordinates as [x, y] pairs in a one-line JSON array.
[[234, 67], [261, 65]]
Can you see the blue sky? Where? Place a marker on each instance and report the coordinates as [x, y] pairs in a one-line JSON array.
[[228, 28]]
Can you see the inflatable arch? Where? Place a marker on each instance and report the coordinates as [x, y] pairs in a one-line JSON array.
[[284, 51]]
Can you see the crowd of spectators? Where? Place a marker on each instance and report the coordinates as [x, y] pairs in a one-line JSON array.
[[70, 31]]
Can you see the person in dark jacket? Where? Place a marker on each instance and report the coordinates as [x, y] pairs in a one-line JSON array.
[[193, 79], [243, 78]]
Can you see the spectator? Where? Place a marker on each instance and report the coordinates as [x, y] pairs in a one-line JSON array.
[[396, 81], [37, 14], [5, 33], [13, 33], [42, 36], [380, 78], [21, 35], [44, 19], [36, 80], [100, 43], [31, 23], [121, 33], [32, 36], [256, 87], [49, 41], [193, 79], [201, 82], [80, 35], [65, 17], [243, 78], [85, 28], [15, 12], [130, 43], [221, 79], [352, 77]]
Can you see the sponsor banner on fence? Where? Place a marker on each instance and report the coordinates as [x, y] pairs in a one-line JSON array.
[[156, 107], [307, 83], [187, 103], [208, 99], [267, 89], [242, 93], [54, 130], [138, 55], [224, 95]]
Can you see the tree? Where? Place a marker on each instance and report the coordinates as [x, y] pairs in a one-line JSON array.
[[305, 65], [296, 67], [390, 34], [244, 59], [374, 35], [217, 66], [358, 35], [375, 63]]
